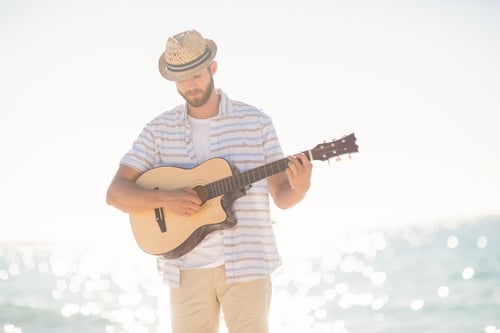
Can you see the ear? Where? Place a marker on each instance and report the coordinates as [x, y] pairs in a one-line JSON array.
[[213, 67]]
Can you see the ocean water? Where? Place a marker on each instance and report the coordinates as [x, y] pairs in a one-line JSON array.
[[415, 280]]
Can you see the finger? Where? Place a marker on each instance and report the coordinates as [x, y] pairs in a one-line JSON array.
[[296, 164], [292, 165], [192, 196], [302, 158], [189, 208]]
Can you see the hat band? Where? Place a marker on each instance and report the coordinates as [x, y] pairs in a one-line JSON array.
[[191, 64]]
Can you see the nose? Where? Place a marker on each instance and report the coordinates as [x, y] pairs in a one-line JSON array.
[[188, 84]]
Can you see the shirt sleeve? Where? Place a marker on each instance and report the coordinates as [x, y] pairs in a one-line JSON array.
[[272, 146], [143, 154]]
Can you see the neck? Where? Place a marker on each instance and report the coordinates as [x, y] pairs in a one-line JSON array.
[[208, 110]]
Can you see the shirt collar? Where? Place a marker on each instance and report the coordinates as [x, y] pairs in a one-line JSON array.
[[225, 108]]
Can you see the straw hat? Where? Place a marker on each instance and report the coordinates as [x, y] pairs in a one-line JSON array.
[[186, 54]]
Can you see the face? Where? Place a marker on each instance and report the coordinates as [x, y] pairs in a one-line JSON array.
[[197, 89]]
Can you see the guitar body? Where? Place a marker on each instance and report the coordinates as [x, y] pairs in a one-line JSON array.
[[182, 233]]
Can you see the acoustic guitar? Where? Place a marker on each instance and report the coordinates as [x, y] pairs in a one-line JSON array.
[[218, 184]]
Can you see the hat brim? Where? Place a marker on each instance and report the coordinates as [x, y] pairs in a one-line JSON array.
[[179, 76]]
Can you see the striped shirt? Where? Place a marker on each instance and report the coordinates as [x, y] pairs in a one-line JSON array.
[[243, 135]]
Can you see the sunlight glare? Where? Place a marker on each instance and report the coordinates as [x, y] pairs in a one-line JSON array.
[[378, 278], [482, 242], [10, 328], [468, 273], [452, 242], [491, 329], [417, 304], [443, 291]]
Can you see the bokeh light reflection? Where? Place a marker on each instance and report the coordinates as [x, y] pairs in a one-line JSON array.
[[452, 242], [468, 273], [417, 304], [482, 242], [443, 291]]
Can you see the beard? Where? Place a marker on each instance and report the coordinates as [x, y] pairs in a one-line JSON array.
[[197, 102]]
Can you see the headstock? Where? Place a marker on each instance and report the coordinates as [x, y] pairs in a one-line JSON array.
[[327, 150]]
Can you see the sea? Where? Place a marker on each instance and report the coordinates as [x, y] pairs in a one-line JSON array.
[[442, 279]]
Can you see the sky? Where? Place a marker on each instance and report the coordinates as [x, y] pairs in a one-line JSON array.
[[418, 82]]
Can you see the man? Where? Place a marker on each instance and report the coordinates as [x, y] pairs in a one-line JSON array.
[[230, 268]]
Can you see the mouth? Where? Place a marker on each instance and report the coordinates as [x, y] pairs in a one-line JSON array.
[[193, 93]]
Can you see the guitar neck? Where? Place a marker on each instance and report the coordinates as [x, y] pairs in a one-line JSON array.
[[245, 178]]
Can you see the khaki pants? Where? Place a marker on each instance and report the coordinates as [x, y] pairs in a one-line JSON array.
[[195, 305]]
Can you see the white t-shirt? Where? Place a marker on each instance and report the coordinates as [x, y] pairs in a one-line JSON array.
[[210, 251]]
